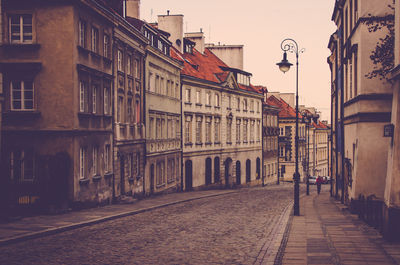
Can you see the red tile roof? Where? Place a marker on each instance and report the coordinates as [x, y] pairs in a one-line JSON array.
[[286, 111], [205, 66]]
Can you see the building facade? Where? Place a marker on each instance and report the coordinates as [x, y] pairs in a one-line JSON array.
[[129, 47], [287, 133], [362, 105], [270, 143], [57, 136], [162, 112]]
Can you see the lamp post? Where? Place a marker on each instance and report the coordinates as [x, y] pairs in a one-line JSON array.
[[292, 46]]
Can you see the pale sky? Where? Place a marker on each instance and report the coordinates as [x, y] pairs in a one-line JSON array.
[[261, 25]]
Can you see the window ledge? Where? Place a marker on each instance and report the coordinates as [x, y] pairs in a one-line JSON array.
[[217, 107], [208, 143], [95, 55], [131, 179], [108, 175], [237, 109], [199, 144], [208, 106], [252, 111], [230, 143], [107, 60], [22, 113], [188, 103], [83, 49], [228, 108], [199, 104], [84, 114], [96, 178], [84, 181], [217, 143], [27, 46]]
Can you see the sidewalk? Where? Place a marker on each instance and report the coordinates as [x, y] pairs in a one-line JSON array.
[[38, 226], [326, 233]]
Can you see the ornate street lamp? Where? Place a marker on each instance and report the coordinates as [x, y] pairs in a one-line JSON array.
[[284, 66]]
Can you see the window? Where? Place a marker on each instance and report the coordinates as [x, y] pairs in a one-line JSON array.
[[129, 110], [217, 100], [160, 171], [258, 107], [229, 130], [208, 99], [238, 103], [229, 102], [22, 165], [94, 99], [252, 105], [82, 33], [20, 28], [158, 128], [107, 158], [136, 168], [217, 130], [238, 131], [168, 88], [282, 152], [187, 95], [119, 108], [137, 68], [157, 85], [107, 105], [208, 130], [82, 162], [82, 97], [138, 112], [258, 130], [171, 170], [245, 131], [252, 131], [119, 60], [129, 64], [188, 129], [198, 99], [94, 158], [106, 46], [95, 40], [281, 133], [22, 95], [199, 121], [163, 136], [177, 129]]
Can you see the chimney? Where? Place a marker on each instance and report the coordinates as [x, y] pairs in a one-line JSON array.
[[173, 24], [198, 38], [133, 8]]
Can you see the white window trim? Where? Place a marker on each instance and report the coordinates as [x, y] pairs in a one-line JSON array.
[[22, 84]]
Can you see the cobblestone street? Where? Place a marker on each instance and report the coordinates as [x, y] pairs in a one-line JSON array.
[[229, 229]]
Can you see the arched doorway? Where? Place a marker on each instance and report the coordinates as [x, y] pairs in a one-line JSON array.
[[208, 171], [152, 179], [122, 174], [238, 173], [248, 170], [228, 171], [188, 175], [258, 167], [216, 170]]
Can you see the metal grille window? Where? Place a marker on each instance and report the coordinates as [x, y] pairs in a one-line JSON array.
[[20, 28], [22, 95]]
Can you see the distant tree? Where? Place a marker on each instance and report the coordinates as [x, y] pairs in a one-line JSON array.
[[383, 54]]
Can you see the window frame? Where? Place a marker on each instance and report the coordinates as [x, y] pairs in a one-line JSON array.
[[21, 28], [22, 96]]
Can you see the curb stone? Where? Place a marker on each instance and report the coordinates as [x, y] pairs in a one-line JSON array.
[[56, 230]]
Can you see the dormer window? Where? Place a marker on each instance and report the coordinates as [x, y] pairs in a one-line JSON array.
[[189, 49]]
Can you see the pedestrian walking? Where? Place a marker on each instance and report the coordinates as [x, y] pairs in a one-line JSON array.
[[319, 182]]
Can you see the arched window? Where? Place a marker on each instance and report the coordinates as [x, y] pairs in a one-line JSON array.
[[208, 171], [258, 168], [248, 170], [216, 170]]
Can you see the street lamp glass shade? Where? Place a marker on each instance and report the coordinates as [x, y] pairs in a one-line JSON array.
[[284, 65]]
